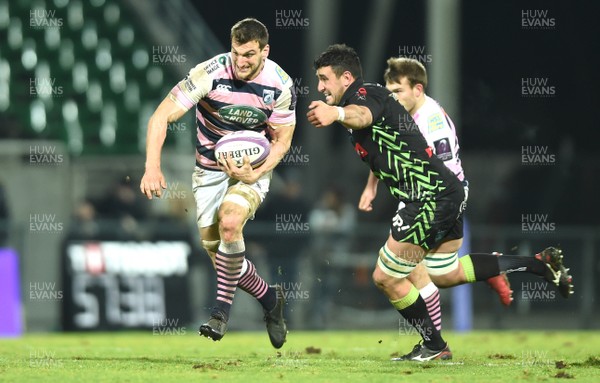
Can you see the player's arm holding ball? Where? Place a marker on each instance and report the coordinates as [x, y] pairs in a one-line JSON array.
[[281, 127], [281, 140]]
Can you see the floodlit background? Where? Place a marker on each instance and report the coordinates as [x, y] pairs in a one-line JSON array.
[[83, 250]]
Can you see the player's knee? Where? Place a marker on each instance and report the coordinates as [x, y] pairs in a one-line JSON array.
[[390, 269], [238, 206], [230, 233], [387, 284], [231, 220], [382, 281]]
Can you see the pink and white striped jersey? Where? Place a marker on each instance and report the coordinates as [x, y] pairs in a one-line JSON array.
[[440, 134], [225, 104]]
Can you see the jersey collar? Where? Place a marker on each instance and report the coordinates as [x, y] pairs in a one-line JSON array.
[[352, 89]]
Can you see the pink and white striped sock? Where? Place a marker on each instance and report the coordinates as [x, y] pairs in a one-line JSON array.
[[229, 261], [251, 282], [431, 296], [254, 285]]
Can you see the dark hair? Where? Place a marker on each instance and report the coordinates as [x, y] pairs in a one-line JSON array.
[[250, 30], [341, 58], [412, 69]]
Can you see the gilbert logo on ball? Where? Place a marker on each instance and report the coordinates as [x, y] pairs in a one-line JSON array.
[[242, 143], [248, 116]]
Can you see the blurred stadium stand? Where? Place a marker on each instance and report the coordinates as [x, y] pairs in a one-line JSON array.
[[86, 73]]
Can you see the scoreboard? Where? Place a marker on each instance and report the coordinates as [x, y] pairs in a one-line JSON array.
[[110, 285]]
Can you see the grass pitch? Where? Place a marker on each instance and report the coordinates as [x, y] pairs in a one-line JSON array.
[[329, 356]]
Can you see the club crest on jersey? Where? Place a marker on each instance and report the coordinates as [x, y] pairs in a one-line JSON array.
[[361, 93], [222, 60], [246, 115], [360, 150], [268, 96]]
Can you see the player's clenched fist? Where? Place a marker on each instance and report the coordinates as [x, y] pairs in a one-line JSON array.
[[320, 114]]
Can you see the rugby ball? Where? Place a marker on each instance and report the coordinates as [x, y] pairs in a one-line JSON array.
[[242, 143]]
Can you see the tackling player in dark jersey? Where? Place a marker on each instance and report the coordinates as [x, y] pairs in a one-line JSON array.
[[430, 198]]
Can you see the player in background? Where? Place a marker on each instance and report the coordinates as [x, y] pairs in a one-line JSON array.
[[407, 79], [239, 90], [431, 199]]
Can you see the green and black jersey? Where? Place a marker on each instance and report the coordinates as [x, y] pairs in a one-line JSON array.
[[395, 149]]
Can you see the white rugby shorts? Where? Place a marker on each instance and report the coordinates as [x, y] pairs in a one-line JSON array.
[[209, 188]]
